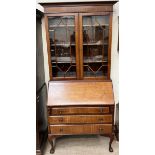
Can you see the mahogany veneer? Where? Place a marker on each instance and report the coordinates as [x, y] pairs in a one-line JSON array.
[[91, 93], [81, 129], [80, 107], [79, 37], [79, 110], [80, 119]]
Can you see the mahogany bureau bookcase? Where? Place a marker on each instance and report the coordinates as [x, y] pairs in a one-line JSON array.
[[80, 99]]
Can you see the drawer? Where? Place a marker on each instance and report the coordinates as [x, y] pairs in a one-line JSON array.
[[81, 129], [78, 110], [72, 119]]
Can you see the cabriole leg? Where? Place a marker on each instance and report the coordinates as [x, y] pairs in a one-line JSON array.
[[111, 140], [51, 141], [52, 147]]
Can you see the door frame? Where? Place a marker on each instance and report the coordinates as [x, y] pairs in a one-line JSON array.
[[76, 43], [81, 43]]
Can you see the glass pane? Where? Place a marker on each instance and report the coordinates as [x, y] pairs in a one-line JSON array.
[[62, 43], [95, 45]]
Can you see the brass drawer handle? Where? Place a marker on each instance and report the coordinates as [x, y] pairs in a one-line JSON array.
[[60, 119], [60, 112], [61, 130]]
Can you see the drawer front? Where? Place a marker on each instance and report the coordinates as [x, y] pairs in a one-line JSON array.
[[72, 119], [79, 110], [81, 129]]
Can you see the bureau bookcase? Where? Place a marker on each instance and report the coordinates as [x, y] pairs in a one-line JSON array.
[[79, 55]]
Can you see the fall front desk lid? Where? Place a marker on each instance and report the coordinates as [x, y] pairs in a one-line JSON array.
[[63, 93]]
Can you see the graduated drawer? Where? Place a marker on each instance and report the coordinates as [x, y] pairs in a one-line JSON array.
[[72, 119], [79, 110], [81, 129]]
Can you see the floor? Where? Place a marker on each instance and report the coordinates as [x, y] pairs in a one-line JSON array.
[[83, 145]]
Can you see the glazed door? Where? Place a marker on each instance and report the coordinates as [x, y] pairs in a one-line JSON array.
[[95, 42], [63, 46]]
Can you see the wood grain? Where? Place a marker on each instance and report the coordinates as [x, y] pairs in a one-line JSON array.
[[81, 45], [75, 119], [80, 93], [77, 45], [81, 129], [78, 110], [76, 9]]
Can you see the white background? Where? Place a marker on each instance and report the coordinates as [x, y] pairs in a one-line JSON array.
[[18, 74]]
